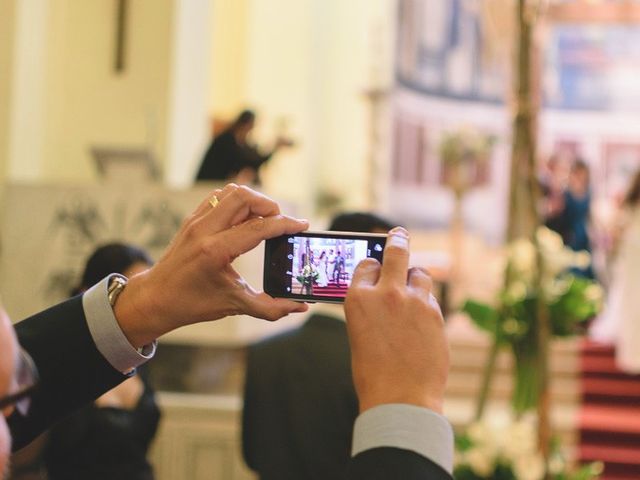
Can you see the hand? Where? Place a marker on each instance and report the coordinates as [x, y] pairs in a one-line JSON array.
[[399, 352], [194, 280]]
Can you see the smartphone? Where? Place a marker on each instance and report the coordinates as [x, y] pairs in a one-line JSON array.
[[317, 266]]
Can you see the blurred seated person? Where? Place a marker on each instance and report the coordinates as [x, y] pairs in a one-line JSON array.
[[108, 439], [299, 401], [232, 157]]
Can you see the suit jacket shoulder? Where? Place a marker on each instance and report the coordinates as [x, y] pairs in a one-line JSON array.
[[391, 463], [72, 371], [300, 403]]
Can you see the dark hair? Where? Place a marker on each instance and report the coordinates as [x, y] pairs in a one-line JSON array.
[[359, 222], [110, 258], [245, 117], [580, 164], [633, 194]]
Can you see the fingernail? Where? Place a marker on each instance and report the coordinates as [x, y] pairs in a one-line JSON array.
[[399, 240], [399, 231]]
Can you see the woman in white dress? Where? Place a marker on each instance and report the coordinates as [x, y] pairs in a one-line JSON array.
[[619, 323], [322, 270]]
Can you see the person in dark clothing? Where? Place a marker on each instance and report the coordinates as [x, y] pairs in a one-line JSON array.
[[577, 206], [552, 188], [109, 438], [300, 402], [231, 157]]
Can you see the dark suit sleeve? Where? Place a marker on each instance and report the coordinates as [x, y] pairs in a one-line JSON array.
[[72, 371], [249, 416], [393, 463]]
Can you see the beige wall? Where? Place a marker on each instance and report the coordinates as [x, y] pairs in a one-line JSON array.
[[189, 128], [307, 62], [87, 103], [229, 49], [7, 7], [28, 81]]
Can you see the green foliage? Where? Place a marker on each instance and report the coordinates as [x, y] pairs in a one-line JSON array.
[[586, 472], [463, 443], [308, 275], [515, 319], [514, 323], [577, 304], [484, 316], [501, 472]]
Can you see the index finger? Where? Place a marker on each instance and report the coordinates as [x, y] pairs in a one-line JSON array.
[[249, 234], [395, 262], [239, 205], [367, 272]]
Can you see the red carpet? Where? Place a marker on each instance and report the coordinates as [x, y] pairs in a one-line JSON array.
[[332, 289], [610, 414]]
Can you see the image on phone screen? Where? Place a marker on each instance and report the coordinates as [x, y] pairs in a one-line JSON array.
[[317, 266]]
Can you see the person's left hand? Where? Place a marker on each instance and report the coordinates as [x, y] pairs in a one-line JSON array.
[[194, 280]]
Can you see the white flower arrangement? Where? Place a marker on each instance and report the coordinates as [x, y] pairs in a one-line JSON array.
[[509, 451], [556, 259], [567, 301]]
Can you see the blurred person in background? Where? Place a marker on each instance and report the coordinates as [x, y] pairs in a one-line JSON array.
[[577, 206], [108, 439], [619, 323], [552, 184], [299, 399], [231, 156]]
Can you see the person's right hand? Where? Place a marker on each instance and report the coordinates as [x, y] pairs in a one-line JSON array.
[[399, 352], [194, 280]]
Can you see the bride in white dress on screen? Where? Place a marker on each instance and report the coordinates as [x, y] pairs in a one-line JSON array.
[[322, 270], [619, 322]]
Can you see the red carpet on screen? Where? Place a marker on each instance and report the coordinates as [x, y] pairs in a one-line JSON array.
[[331, 290]]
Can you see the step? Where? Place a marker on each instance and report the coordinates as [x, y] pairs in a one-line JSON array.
[[467, 383], [472, 356], [605, 400], [629, 456], [588, 347], [622, 419], [626, 388], [619, 476], [604, 365], [613, 439]]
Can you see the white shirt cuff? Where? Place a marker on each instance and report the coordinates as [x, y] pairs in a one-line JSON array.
[[107, 334], [408, 427]]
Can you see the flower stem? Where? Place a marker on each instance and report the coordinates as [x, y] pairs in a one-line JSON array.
[[487, 376]]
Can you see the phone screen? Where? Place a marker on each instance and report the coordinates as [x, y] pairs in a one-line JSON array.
[[317, 266]]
